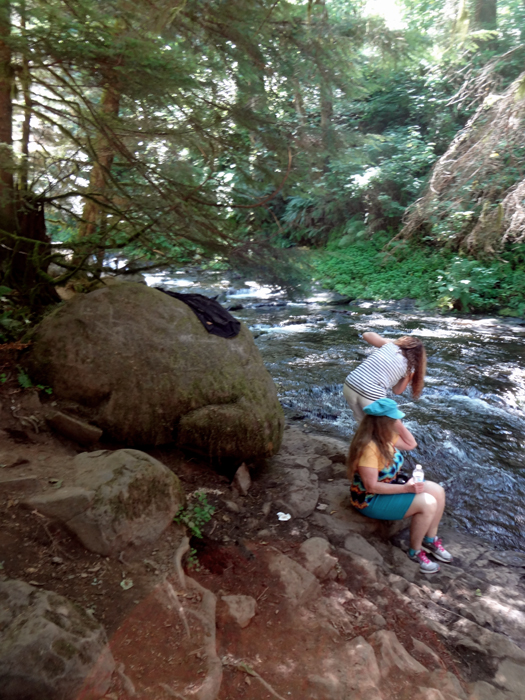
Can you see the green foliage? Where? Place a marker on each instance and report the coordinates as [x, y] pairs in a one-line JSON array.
[[368, 270], [196, 514], [214, 133], [25, 382], [470, 285], [364, 270], [14, 316], [193, 560], [9, 325]]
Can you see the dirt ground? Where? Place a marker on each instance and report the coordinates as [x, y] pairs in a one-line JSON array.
[[159, 648]]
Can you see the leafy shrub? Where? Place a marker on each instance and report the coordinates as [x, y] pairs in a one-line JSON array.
[[464, 285], [377, 269], [196, 514], [25, 382]]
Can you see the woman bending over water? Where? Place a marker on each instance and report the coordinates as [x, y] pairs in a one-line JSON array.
[[395, 365], [373, 463]]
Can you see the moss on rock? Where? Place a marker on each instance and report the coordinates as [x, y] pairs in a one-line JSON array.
[[138, 363]]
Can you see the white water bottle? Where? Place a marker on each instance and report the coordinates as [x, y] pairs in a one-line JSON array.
[[418, 474]]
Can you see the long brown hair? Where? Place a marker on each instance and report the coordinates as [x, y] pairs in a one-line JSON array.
[[416, 357], [377, 429]]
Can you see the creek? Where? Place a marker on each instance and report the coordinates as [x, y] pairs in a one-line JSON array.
[[469, 422]]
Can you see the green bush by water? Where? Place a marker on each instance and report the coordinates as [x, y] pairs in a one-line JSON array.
[[375, 269]]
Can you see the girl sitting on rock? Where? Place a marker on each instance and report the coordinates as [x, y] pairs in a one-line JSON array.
[[373, 463]]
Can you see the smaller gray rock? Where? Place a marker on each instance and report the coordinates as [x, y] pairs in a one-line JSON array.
[[317, 558], [350, 672], [403, 566], [516, 559], [121, 498], [392, 655], [428, 694], [302, 491], [369, 569], [511, 676], [432, 694], [19, 486], [74, 428], [62, 504], [485, 691], [300, 585], [242, 479], [378, 620], [430, 654], [241, 608], [337, 458], [470, 635], [266, 508], [231, 505], [264, 533], [49, 647], [358, 545], [447, 683], [320, 463], [301, 461], [398, 583]]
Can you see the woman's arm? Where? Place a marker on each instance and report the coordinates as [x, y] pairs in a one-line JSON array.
[[405, 441], [402, 384], [372, 485], [375, 339]]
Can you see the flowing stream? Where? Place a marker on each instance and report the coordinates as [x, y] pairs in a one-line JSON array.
[[469, 422]]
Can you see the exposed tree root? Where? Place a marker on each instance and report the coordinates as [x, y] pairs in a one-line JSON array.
[[207, 616], [181, 551], [243, 666], [212, 683], [126, 681], [172, 692], [172, 595]]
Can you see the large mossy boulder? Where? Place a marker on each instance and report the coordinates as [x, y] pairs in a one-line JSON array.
[[140, 365], [50, 648]]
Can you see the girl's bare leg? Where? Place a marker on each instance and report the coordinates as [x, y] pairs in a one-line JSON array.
[[423, 511], [439, 494]]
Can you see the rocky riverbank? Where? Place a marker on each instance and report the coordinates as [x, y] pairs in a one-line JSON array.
[[321, 604]]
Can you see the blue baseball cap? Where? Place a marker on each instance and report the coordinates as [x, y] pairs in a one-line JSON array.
[[383, 407]]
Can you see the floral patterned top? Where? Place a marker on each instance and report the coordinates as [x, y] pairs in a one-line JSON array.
[[359, 497]]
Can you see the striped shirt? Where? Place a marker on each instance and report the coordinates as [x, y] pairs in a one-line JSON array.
[[379, 372]]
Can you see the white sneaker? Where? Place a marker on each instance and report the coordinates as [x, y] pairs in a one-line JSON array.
[[425, 565], [437, 550]]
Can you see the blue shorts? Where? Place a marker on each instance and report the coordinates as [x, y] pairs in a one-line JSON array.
[[388, 506]]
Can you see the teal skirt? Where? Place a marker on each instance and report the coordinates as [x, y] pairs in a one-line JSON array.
[[388, 506]]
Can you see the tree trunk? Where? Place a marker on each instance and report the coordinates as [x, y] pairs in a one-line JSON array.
[[24, 246], [484, 15], [104, 154], [7, 218], [299, 103], [25, 80], [326, 95], [327, 112]]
